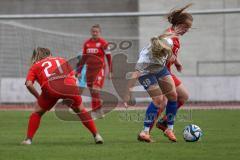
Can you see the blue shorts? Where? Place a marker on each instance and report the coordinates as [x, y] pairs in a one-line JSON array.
[[152, 78]]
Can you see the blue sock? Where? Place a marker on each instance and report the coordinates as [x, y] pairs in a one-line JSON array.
[[151, 114], [171, 111]]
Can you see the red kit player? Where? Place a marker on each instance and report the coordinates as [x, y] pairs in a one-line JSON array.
[[57, 81], [95, 50]]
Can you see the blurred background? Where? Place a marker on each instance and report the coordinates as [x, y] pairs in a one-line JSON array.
[[210, 52]]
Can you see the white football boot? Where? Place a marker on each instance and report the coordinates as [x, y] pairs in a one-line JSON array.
[[27, 142], [98, 139]]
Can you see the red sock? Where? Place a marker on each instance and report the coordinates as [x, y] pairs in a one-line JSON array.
[[87, 121], [180, 104], [96, 102], [33, 124]]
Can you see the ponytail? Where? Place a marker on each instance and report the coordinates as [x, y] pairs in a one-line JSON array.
[[178, 16]]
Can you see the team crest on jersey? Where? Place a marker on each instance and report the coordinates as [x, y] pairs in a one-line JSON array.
[[98, 44]]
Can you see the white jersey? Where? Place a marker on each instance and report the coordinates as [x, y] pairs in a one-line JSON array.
[[149, 64]]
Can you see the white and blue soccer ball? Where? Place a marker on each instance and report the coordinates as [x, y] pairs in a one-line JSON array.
[[192, 133]]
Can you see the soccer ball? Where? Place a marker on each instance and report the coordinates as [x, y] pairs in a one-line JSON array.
[[192, 133]]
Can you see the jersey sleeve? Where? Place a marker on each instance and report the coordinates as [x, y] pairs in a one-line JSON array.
[[84, 49], [105, 46], [176, 46], [31, 76]]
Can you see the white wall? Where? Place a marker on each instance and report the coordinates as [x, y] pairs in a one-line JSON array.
[[13, 90], [213, 88]]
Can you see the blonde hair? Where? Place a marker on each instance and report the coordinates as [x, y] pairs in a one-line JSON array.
[[96, 26], [39, 54], [160, 47]]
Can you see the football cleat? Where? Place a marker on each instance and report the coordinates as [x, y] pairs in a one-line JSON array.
[[144, 137], [170, 134], [98, 139], [27, 142]]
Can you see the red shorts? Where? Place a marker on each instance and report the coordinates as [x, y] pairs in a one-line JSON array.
[[59, 89], [98, 80], [176, 80]]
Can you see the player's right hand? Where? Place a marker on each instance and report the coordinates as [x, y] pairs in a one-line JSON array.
[[129, 100]]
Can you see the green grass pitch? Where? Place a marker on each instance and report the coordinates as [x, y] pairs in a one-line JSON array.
[[63, 140]]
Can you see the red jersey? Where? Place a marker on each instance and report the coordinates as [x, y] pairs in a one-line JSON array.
[[175, 48], [96, 48], [50, 68]]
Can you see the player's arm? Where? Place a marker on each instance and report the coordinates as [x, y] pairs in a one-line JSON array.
[[109, 59], [132, 80], [32, 89], [82, 61], [31, 77], [79, 66], [172, 59], [178, 65]]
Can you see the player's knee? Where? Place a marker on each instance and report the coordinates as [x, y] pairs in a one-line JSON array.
[[77, 105], [78, 109], [158, 101], [39, 110], [186, 97], [183, 97], [40, 113], [172, 96]]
